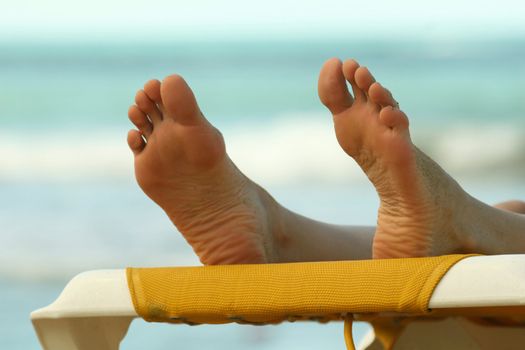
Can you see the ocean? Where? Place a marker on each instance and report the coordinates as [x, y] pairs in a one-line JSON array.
[[70, 202]]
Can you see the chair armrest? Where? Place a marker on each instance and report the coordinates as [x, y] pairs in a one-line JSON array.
[[93, 312], [482, 281]]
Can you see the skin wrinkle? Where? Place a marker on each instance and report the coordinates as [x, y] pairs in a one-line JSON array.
[[223, 254], [234, 222], [209, 248], [203, 232]]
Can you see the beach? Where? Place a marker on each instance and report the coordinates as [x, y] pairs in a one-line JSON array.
[[71, 204]]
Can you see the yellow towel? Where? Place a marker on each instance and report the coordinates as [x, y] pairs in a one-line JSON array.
[[272, 293]]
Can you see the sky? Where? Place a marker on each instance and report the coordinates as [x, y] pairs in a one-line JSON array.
[[226, 19]]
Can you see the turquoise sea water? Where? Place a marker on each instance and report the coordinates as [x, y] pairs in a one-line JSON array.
[[70, 202], [86, 84]]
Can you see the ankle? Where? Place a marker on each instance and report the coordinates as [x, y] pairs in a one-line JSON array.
[[276, 226], [469, 221]]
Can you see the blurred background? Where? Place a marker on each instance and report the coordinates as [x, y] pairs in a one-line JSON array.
[[69, 71]]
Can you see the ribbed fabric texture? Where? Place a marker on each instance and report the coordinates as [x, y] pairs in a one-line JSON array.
[[273, 293]]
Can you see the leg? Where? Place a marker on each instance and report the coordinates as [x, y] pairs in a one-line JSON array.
[[423, 211], [513, 205]]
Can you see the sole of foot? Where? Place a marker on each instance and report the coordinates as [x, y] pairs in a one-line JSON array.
[[420, 204], [181, 164]]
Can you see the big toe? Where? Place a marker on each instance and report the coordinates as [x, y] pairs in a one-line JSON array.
[[179, 101], [332, 88]]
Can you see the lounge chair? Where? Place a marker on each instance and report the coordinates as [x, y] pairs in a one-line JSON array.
[[449, 302]]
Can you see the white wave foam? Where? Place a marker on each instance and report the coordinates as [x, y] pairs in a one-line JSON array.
[[64, 156], [293, 150], [478, 151]]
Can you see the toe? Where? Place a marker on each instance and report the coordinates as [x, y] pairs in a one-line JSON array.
[[381, 96], [135, 141], [140, 120], [393, 117], [332, 88], [349, 69], [364, 79], [147, 106], [179, 101], [152, 89]]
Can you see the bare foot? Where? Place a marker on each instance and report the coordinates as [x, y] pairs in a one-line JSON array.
[[420, 205], [182, 165]]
